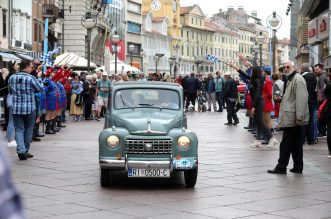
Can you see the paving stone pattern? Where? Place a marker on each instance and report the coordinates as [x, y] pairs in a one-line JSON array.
[[62, 181]]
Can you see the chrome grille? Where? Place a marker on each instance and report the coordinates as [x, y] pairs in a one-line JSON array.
[[159, 146]]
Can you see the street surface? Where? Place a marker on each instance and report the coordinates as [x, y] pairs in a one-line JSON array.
[[62, 180]]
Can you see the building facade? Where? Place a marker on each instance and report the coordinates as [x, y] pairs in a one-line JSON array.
[[156, 44], [318, 31], [197, 41], [134, 33], [4, 25]]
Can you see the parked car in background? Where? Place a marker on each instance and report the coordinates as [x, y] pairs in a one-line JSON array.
[[146, 135]]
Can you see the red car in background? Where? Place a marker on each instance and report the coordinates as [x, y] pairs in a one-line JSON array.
[[241, 88]]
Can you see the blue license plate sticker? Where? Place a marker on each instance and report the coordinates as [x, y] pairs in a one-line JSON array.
[[183, 163]]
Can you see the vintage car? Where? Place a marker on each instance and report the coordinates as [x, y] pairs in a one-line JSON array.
[[146, 133]]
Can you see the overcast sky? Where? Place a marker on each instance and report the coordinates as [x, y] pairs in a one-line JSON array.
[[264, 8]]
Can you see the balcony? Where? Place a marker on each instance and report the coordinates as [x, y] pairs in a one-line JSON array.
[[50, 11]]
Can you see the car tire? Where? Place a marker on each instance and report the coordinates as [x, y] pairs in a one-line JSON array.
[[105, 177], [190, 177]]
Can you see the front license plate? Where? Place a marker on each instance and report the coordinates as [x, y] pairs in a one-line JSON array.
[[132, 172]]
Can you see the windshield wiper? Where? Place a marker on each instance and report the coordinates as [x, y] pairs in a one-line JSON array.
[[146, 104], [125, 103]]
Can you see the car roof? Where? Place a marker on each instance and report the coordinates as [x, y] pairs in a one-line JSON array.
[[154, 83]]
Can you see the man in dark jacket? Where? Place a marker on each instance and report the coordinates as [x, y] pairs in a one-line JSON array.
[[311, 82], [192, 85], [230, 97]]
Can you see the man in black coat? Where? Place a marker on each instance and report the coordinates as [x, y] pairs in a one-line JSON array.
[[230, 97], [311, 83], [192, 85]]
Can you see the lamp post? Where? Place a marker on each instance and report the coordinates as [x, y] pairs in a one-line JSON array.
[[255, 49], [260, 39], [131, 50], [115, 39], [157, 58], [142, 54], [172, 62], [88, 22], [274, 22]]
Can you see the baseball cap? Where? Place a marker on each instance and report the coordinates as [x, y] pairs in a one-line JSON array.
[[104, 74]]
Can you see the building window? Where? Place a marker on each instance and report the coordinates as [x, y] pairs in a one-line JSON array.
[[192, 21], [182, 33], [148, 24], [192, 35], [40, 33], [134, 27], [134, 7], [200, 23], [4, 23], [35, 31], [188, 51]]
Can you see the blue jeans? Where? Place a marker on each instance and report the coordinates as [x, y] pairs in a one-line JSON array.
[[10, 135], [23, 131], [219, 99]]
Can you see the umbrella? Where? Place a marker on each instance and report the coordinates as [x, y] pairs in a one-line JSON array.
[[72, 59], [121, 68]]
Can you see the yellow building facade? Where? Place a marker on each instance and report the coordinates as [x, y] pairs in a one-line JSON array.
[[171, 10]]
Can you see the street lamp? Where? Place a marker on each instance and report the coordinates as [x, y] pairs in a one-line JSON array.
[[260, 39], [172, 62], [88, 22], [156, 59], [142, 54], [131, 50], [274, 22], [115, 39], [255, 49]]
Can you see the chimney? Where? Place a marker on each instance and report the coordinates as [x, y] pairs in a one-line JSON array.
[[254, 13]]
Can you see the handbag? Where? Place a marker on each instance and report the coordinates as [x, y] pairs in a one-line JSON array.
[[79, 100], [323, 110]]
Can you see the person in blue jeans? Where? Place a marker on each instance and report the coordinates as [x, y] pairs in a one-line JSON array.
[[219, 87], [23, 86]]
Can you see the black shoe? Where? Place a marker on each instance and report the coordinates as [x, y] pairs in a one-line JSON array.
[[220, 111], [228, 123], [254, 132], [48, 128], [277, 170], [295, 170], [265, 141], [28, 155], [236, 123], [247, 127], [259, 137], [208, 109], [36, 132], [22, 156], [35, 138]]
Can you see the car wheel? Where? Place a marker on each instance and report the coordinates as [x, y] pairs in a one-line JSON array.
[[105, 177], [191, 177]]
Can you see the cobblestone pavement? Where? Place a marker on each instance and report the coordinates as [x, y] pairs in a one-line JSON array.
[[62, 181]]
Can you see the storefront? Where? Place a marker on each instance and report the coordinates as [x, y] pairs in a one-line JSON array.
[[318, 40]]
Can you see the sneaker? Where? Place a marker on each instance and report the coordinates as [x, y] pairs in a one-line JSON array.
[[256, 144], [12, 144], [97, 118], [272, 143], [329, 156]]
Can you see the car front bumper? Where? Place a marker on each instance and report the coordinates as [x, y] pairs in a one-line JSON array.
[[184, 163]]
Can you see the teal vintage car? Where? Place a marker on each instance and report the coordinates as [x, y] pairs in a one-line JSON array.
[[146, 135]]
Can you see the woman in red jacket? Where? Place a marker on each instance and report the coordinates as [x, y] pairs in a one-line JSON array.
[[267, 98]]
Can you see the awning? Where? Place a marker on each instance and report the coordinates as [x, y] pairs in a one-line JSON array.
[[24, 56], [9, 57]]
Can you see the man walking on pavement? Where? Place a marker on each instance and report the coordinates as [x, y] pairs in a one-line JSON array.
[[322, 80], [210, 87], [293, 114], [230, 97], [219, 86], [192, 85], [23, 87]]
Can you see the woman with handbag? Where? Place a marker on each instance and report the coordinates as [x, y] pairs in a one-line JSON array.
[[76, 102]]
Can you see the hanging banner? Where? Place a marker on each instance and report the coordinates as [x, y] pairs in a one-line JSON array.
[[45, 41]]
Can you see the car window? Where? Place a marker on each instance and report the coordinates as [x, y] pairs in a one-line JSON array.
[[145, 98]]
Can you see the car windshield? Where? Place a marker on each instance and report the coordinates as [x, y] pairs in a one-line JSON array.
[[145, 98]]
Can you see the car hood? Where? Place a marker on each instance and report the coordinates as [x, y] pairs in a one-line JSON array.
[[153, 122]]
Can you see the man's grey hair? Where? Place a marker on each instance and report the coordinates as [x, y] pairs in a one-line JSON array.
[[304, 68]]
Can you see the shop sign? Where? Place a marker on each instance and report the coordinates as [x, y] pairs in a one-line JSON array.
[[312, 33], [323, 26]]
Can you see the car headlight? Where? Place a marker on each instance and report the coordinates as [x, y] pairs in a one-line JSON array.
[[113, 141], [183, 141]]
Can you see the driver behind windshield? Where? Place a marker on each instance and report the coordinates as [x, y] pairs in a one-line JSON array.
[[168, 101]]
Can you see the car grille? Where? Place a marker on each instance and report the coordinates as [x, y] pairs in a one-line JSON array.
[[159, 146]]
